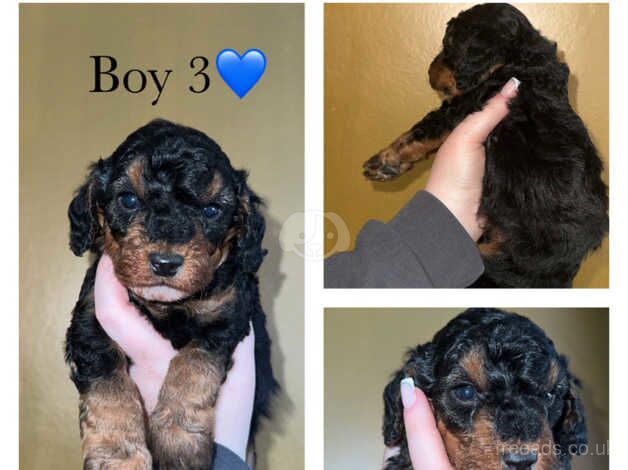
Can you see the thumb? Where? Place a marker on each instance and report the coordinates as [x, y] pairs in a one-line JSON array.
[[476, 127], [121, 320], [425, 443], [110, 296]]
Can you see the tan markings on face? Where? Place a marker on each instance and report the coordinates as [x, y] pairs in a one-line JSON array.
[[442, 79], [215, 186], [135, 173], [477, 450], [112, 424], [481, 449], [473, 363], [130, 256], [182, 424]]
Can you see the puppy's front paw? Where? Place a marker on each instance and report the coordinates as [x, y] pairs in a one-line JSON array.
[[181, 439], [112, 425], [384, 166], [140, 460]]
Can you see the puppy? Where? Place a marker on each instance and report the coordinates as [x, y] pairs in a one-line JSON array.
[[544, 204], [184, 232], [502, 396]]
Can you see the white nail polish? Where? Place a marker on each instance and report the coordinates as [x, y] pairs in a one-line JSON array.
[[510, 87], [407, 392]]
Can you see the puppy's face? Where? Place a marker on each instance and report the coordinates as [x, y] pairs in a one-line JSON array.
[[169, 210], [503, 398], [477, 42]]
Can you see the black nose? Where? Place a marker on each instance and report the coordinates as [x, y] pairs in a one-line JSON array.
[[165, 264], [519, 461]]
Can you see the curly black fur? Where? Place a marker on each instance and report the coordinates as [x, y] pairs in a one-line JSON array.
[[518, 399], [543, 198], [181, 163]]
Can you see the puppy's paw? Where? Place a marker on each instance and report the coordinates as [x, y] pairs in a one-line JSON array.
[[180, 440], [138, 460], [385, 166]]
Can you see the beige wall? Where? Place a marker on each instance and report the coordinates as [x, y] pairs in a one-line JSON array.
[[364, 347], [376, 87], [63, 128]]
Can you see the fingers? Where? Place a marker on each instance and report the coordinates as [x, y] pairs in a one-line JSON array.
[[427, 450], [235, 399], [477, 126], [113, 309], [122, 321]]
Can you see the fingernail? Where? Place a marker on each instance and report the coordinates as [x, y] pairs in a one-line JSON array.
[[510, 88], [407, 392]]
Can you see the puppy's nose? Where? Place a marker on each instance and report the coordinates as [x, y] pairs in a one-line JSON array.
[[519, 461], [165, 264]]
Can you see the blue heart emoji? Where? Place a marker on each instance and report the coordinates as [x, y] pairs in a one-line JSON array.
[[241, 73]]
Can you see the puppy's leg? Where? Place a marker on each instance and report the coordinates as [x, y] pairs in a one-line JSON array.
[[182, 424], [112, 425], [401, 155], [424, 138]]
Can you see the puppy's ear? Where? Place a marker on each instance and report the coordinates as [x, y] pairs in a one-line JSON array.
[[420, 366], [249, 240], [82, 212], [571, 429]]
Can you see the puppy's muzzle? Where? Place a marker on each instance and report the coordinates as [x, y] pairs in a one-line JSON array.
[[165, 264], [519, 460]]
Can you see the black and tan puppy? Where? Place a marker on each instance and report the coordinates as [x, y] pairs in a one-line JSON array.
[[544, 204], [184, 232], [502, 396]]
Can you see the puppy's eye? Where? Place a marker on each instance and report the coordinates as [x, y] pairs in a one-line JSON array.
[[465, 393], [129, 201], [211, 211]]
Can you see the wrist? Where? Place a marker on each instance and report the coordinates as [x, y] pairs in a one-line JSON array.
[[464, 212]]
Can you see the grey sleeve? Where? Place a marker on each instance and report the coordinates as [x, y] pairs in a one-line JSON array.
[[424, 245], [224, 459]]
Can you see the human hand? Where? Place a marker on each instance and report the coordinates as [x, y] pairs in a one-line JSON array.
[[427, 451], [151, 353], [457, 172]]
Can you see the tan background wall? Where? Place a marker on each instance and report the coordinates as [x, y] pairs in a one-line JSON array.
[[363, 347], [63, 128], [376, 87]]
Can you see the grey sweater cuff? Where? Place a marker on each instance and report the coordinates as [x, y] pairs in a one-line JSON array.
[[224, 459], [450, 259]]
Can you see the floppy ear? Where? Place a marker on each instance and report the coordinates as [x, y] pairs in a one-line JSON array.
[[420, 366], [571, 429], [249, 240], [82, 212]]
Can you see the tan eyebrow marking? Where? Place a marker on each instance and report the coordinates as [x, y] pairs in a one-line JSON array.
[[473, 364], [135, 173]]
